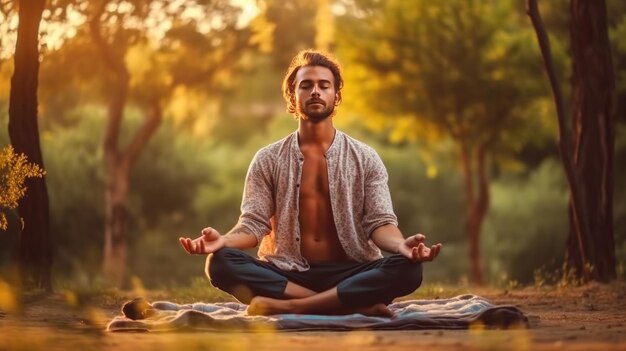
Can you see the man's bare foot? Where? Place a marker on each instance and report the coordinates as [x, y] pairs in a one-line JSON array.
[[377, 310], [266, 306]]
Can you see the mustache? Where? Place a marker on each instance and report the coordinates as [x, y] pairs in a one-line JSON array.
[[315, 101]]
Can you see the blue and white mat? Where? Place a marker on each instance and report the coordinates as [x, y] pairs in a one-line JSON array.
[[454, 313]]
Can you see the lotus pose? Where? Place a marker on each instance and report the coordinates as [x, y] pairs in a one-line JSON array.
[[318, 205]]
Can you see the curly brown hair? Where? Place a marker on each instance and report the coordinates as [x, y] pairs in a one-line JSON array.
[[309, 58]]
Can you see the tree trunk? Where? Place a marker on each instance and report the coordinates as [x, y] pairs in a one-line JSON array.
[[116, 215], [35, 250], [118, 162], [477, 203], [588, 160], [117, 187], [592, 89], [116, 179]]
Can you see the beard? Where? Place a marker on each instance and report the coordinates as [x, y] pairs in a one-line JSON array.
[[305, 112]]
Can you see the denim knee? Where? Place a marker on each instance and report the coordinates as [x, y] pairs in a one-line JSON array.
[[408, 277], [219, 268]]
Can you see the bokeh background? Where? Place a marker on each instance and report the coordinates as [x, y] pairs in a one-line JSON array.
[[416, 73]]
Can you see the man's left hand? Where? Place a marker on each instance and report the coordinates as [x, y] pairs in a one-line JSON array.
[[415, 250]]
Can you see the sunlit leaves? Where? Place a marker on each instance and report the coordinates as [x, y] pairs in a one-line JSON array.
[[149, 81], [465, 67], [262, 33], [193, 110], [324, 25], [14, 170]]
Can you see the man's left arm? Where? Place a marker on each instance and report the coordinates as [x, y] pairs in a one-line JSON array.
[[380, 221], [389, 238]]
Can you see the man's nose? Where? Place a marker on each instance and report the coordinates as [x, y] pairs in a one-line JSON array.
[[315, 91]]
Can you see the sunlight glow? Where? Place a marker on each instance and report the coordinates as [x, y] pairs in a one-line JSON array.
[[249, 10], [53, 33]]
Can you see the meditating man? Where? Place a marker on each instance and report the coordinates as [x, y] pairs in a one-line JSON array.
[[318, 204]]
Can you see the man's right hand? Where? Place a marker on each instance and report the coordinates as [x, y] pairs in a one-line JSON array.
[[210, 241]]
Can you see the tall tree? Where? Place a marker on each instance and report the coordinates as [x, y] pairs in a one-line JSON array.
[[453, 69], [587, 144], [119, 27], [35, 250]]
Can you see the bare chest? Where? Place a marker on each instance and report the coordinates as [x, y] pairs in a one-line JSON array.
[[314, 180]]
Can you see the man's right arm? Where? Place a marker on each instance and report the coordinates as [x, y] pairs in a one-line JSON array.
[[240, 238]]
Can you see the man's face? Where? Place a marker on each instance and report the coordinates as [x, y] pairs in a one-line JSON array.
[[315, 93]]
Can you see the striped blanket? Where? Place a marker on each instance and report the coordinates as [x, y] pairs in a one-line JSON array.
[[454, 313]]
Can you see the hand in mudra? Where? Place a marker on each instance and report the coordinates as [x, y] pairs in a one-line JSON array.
[[415, 250], [209, 242]]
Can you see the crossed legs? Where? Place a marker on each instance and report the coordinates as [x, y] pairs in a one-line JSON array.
[[326, 302], [345, 288]]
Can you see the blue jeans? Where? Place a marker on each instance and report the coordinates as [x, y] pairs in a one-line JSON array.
[[358, 284]]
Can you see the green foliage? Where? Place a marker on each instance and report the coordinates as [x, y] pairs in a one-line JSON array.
[[293, 29], [75, 181], [426, 200], [526, 229], [14, 170], [419, 199], [408, 65], [462, 69], [165, 180]]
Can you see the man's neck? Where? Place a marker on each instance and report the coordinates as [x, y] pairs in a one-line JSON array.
[[319, 133]]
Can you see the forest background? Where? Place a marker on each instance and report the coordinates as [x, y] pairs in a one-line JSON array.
[[203, 90]]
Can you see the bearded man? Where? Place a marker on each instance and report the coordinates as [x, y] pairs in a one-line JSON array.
[[318, 205]]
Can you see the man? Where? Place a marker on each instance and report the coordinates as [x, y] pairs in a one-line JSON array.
[[318, 203]]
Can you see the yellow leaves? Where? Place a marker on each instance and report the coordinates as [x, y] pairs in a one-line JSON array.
[[385, 52], [324, 25], [14, 169], [403, 130], [192, 108], [428, 157], [433, 11], [136, 61], [432, 171], [146, 69], [262, 33], [496, 53]]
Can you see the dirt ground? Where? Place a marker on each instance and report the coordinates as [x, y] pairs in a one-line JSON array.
[[590, 317]]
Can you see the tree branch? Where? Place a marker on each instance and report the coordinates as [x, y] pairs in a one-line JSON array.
[[119, 91], [154, 116]]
